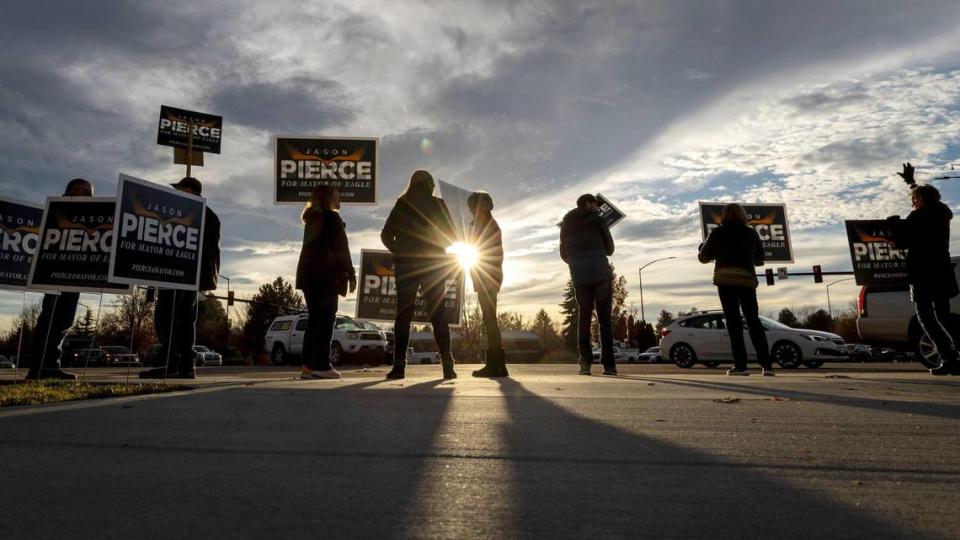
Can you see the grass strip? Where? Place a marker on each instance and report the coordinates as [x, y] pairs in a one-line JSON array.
[[37, 392]]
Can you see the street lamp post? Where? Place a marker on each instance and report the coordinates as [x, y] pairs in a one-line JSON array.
[[643, 316], [829, 305]]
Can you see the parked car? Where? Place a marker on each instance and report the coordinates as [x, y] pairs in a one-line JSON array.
[[352, 342], [6, 363], [618, 356], [651, 356], [887, 318], [106, 356], [71, 344], [422, 357], [702, 338], [859, 352], [206, 357]]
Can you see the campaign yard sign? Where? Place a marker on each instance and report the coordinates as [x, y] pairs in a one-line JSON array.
[[609, 213], [76, 236], [21, 235], [377, 290], [174, 129], [303, 163], [159, 236], [876, 259], [769, 220]]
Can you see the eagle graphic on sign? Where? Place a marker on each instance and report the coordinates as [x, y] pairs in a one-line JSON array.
[[140, 210]]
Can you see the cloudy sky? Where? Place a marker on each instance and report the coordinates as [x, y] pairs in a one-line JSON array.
[[657, 105]]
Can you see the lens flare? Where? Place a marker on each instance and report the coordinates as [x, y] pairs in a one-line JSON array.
[[466, 255]]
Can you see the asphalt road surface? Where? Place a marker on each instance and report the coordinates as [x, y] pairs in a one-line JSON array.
[[856, 451]]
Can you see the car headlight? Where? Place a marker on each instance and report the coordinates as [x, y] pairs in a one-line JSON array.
[[353, 337], [812, 337]]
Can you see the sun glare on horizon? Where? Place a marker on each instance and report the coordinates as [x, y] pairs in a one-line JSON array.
[[466, 254]]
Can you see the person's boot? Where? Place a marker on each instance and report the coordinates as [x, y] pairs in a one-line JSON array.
[[496, 364], [949, 366], [398, 371], [448, 372]]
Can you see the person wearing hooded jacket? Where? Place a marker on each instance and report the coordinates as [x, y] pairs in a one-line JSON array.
[[925, 234], [418, 231], [324, 272], [585, 244], [487, 277]]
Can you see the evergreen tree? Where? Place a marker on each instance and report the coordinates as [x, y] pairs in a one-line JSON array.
[[569, 310], [663, 320], [213, 329], [84, 326], [819, 320], [271, 300], [788, 318]]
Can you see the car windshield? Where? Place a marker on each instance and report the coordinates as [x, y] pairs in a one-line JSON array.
[[346, 323], [200, 348], [770, 323], [116, 350], [653, 349], [371, 326]]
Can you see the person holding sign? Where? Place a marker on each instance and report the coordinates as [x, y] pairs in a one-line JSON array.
[[585, 244], [487, 277], [324, 271], [418, 231], [56, 316], [736, 248], [926, 235], [175, 317]]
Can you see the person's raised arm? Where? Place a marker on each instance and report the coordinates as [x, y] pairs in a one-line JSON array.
[[708, 249]]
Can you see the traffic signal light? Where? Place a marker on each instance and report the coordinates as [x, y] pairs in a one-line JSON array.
[[817, 274], [229, 298], [769, 273]]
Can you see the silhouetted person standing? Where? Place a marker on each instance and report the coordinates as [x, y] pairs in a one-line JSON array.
[[56, 316], [926, 235], [324, 272], [175, 316], [417, 232], [585, 244], [487, 277], [736, 248]]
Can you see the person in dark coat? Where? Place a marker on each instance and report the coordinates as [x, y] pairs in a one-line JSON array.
[[324, 272], [56, 316], [585, 244], [487, 277], [926, 235], [175, 315], [418, 231], [736, 248]]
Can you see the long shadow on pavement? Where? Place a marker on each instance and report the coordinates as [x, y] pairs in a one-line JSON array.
[[942, 410], [574, 477]]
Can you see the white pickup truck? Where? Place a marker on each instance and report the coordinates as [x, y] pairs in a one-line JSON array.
[[887, 317], [351, 341]]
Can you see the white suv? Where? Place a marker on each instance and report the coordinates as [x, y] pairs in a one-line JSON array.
[[702, 337], [351, 340]]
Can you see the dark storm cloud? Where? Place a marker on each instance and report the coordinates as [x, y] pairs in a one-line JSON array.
[[295, 106]]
